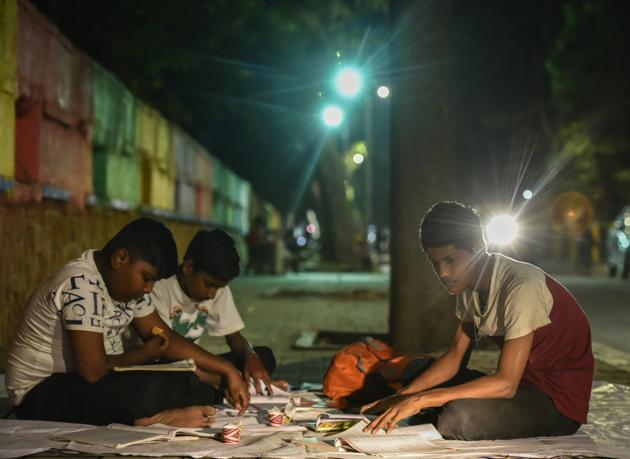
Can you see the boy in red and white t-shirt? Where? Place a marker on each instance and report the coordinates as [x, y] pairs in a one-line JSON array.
[[543, 381]]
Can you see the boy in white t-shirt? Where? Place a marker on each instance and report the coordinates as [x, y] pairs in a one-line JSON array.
[[70, 339], [542, 383], [197, 299]]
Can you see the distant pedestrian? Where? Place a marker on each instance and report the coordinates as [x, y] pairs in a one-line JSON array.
[[584, 259], [257, 246]]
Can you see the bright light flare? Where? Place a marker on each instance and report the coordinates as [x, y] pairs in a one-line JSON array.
[[528, 194], [502, 230], [358, 158], [332, 115], [348, 82], [382, 92]]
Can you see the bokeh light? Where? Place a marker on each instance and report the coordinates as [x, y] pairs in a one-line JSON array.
[[358, 158], [382, 92], [332, 115]]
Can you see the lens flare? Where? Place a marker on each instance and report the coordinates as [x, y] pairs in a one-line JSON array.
[[502, 230], [332, 115], [348, 82]]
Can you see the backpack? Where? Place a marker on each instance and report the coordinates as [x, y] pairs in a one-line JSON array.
[[355, 365]]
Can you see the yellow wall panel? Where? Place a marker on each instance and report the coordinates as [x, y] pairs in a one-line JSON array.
[[146, 130], [8, 46], [7, 135]]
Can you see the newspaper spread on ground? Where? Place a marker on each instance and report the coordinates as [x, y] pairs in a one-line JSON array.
[[607, 435]]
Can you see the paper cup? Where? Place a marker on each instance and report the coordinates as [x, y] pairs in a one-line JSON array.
[[231, 433], [275, 418]]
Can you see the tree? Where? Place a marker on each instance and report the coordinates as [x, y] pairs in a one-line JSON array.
[[246, 77], [589, 69], [423, 167]]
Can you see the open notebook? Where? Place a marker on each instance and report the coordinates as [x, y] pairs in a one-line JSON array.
[[179, 365], [399, 440]]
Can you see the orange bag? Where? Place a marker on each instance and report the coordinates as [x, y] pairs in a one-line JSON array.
[[350, 367], [392, 369]]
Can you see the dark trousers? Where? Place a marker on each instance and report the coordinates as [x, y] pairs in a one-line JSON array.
[[266, 357], [530, 413], [118, 397], [123, 397]]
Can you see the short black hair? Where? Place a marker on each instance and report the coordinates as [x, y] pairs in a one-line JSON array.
[[451, 223], [214, 252], [148, 240]]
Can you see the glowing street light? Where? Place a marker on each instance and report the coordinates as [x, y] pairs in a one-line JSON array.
[[382, 92], [348, 82], [358, 158], [502, 230], [332, 115]]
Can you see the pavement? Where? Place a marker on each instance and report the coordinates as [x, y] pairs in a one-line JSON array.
[[277, 310]]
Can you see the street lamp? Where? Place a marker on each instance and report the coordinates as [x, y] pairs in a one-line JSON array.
[[348, 82], [358, 158], [332, 115]]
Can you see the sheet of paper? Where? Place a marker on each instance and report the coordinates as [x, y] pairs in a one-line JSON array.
[[309, 414], [279, 400], [249, 446], [112, 438], [276, 389], [380, 444], [21, 444], [257, 446], [573, 445], [220, 421], [258, 430], [20, 438], [199, 448]]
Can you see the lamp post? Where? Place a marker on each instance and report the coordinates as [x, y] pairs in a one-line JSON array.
[[349, 83], [332, 115]]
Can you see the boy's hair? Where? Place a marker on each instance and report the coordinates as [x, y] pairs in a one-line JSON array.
[[214, 252], [148, 240], [451, 223]]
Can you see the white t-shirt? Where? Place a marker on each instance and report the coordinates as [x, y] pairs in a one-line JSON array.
[[74, 298], [519, 301], [189, 318]]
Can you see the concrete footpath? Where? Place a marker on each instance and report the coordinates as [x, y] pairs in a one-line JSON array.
[[277, 310]]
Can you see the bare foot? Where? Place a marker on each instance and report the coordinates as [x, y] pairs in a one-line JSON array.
[[191, 416]]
